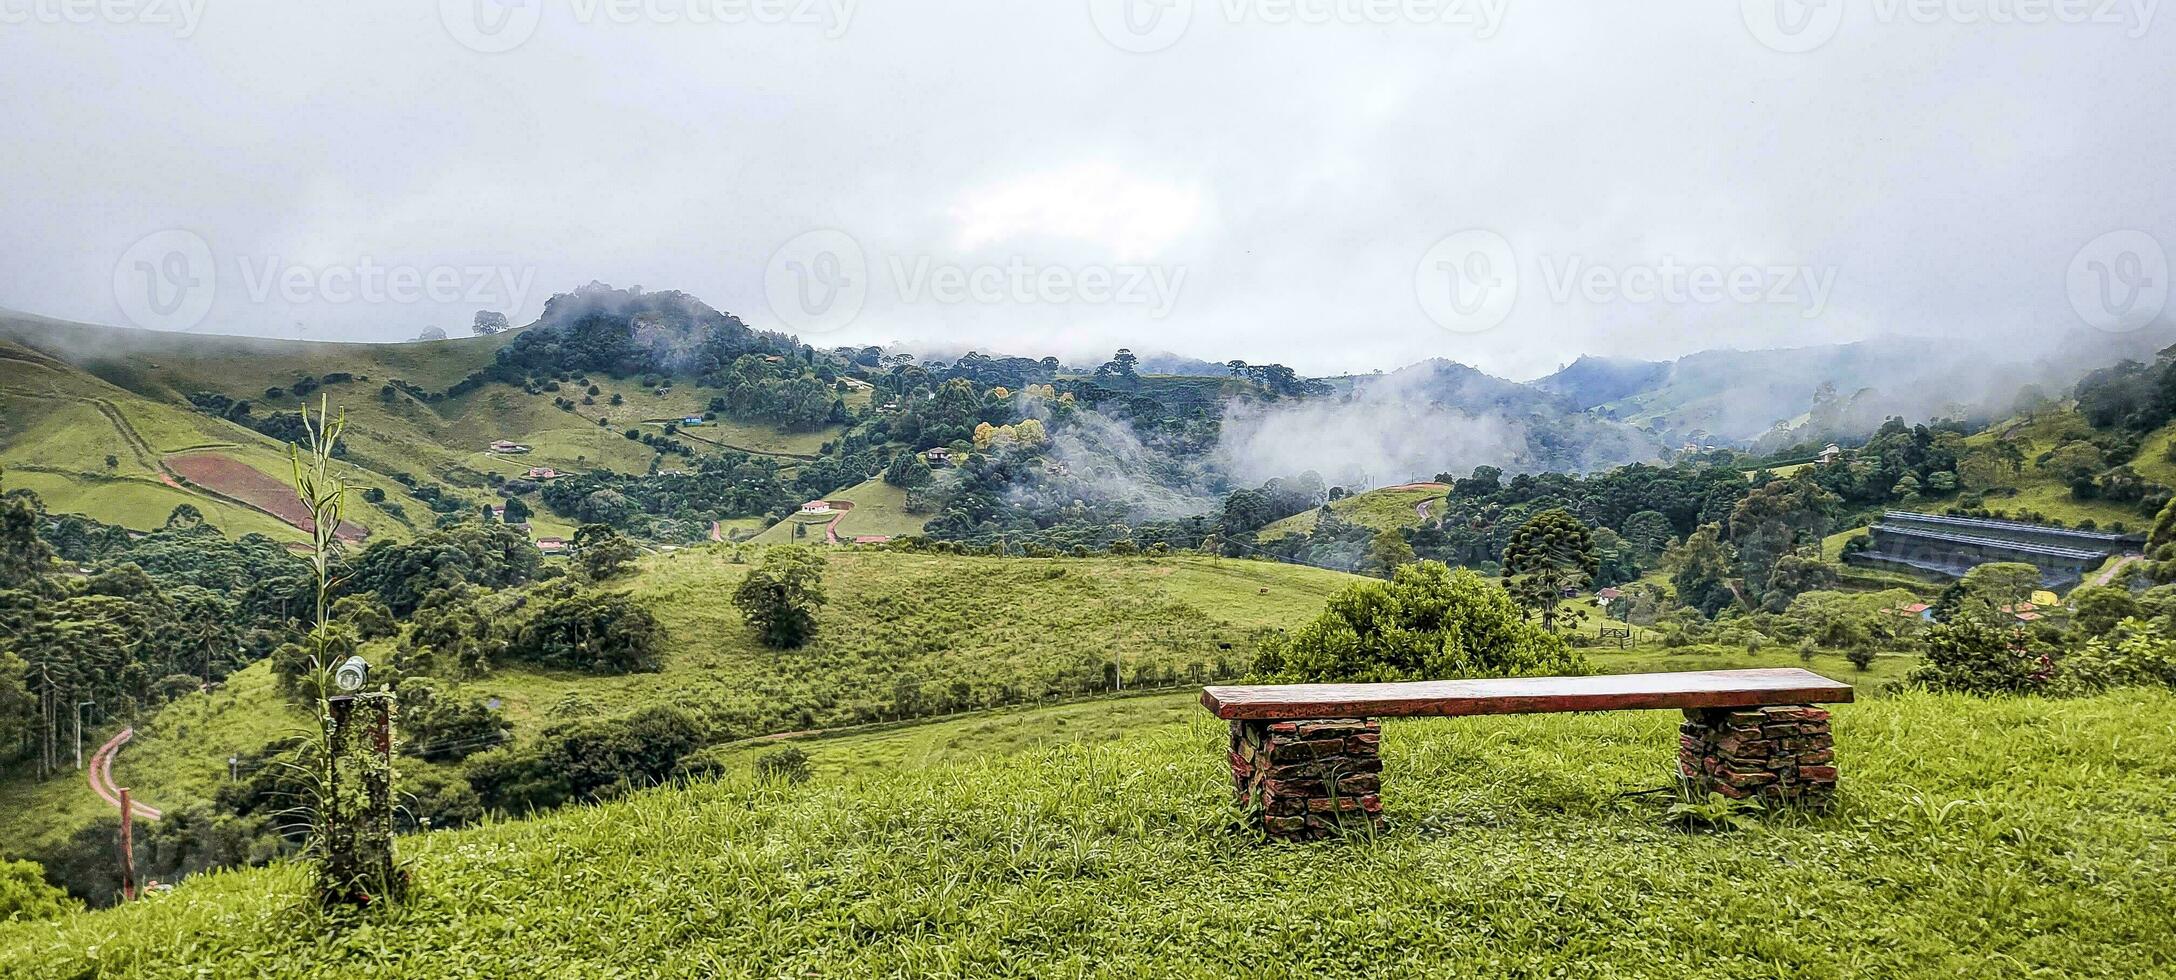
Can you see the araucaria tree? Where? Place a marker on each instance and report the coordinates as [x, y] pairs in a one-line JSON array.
[[780, 596], [1551, 554]]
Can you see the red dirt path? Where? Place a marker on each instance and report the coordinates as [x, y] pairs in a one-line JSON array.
[[231, 477], [101, 776]]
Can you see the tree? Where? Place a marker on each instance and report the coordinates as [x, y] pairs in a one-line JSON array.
[[1388, 551], [2097, 609], [24, 557], [1974, 656], [780, 596], [517, 511], [184, 516], [597, 632], [2161, 545], [1700, 570], [1648, 532], [1427, 622], [602, 552], [1550, 554], [1989, 587], [908, 470], [1776, 520], [489, 322]]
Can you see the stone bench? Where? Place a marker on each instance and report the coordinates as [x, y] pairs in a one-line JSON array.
[[1306, 758]]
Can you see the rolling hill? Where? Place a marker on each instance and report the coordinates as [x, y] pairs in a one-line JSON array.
[[973, 631], [1382, 509], [78, 394]]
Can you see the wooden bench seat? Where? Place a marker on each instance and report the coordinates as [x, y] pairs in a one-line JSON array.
[[1528, 695], [1305, 757]]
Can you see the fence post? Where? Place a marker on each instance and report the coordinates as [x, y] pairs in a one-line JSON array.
[[128, 847], [356, 818]]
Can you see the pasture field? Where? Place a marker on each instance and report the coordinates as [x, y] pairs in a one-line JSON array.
[[1971, 838]]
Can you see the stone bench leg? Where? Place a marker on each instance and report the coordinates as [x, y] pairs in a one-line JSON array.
[[1779, 754], [1307, 780]]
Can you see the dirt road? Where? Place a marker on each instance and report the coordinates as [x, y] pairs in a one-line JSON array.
[[100, 773]]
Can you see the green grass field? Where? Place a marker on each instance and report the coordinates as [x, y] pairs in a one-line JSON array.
[[60, 426], [1013, 731], [1389, 507], [879, 509], [943, 627], [1972, 838]]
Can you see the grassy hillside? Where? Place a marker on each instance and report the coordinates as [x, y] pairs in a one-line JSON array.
[[902, 634], [1972, 838], [1014, 731], [1388, 507], [878, 509], [2039, 490], [89, 447], [74, 394]]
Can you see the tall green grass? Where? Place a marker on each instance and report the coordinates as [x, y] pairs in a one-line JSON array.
[[1972, 838]]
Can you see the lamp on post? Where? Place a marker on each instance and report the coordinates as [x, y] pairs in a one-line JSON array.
[[80, 705]]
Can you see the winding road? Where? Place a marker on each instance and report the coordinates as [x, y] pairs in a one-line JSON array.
[[101, 777], [2108, 574]]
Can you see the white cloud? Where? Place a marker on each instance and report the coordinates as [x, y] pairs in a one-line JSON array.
[[1132, 215]]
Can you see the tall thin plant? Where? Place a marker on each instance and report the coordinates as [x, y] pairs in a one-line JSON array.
[[330, 814]]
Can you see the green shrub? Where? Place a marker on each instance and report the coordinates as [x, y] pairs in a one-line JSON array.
[[2138, 653], [596, 632], [1973, 656], [589, 759], [788, 764], [24, 894], [434, 799], [438, 728], [1426, 622]]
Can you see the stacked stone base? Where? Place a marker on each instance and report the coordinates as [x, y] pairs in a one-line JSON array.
[[1307, 780], [1780, 754]]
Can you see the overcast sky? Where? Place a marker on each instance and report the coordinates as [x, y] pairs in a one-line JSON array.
[[1217, 178]]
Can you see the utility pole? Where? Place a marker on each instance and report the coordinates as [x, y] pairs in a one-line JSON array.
[[79, 733]]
